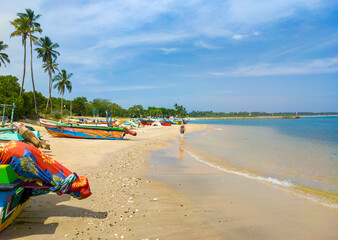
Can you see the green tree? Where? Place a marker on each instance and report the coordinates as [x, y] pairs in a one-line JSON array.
[[102, 105], [180, 110], [63, 83], [48, 54], [79, 106], [3, 56], [136, 111], [115, 109], [51, 67], [22, 29], [9, 94]]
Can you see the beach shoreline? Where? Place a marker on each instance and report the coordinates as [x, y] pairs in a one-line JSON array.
[[236, 206], [134, 199], [124, 204]]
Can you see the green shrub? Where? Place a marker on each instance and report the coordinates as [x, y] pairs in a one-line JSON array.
[[56, 114]]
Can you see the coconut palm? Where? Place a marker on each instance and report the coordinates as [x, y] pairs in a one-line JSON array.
[[48, 54], [33, 27], [22, 29], [62, 84], [50, 66], [3, 56]]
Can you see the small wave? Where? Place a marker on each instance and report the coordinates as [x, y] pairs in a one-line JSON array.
[[281, 184], [268, 179]]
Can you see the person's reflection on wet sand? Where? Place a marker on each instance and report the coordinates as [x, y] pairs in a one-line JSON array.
[[181, 150]]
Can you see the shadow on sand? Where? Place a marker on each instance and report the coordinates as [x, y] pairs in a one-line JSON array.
[[32, 220]]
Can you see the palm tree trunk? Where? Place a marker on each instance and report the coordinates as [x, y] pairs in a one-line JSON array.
[[50, 93], [48, 89], [61, 104], [50, 77], [24, 66], [47, 104], [36, 107]]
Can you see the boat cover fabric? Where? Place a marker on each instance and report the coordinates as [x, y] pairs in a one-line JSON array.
[[32, 165]]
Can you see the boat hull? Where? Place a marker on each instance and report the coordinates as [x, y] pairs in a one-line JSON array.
[[13, 198], [166, 124], [57, 131], [8, 210], [148, 122], [79, 131], [14, 136]]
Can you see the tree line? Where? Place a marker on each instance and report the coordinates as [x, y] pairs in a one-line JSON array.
[[26, 26], [80, 106]]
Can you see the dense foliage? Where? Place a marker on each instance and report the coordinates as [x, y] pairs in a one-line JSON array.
[[80, 106]]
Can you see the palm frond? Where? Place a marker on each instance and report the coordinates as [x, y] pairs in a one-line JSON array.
[[62, 82]]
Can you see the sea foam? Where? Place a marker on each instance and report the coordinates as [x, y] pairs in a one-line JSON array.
[[280, 184]]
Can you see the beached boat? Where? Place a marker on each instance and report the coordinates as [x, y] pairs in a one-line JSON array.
[[57, 129], [167, 123], [13, 198], [10, 134], [146, 122]]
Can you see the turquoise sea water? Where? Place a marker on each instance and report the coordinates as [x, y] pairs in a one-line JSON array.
[[297, 155]]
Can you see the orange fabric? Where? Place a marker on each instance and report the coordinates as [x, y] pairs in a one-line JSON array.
[[30, 164]]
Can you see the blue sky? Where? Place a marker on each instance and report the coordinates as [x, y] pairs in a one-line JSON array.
[[235, 55]]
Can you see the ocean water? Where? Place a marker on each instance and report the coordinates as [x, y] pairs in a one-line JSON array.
[[296, 155]]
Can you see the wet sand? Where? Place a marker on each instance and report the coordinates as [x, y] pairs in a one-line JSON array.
[[235, 207]]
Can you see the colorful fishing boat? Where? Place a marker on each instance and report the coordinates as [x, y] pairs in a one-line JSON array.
[[166, 123], [13, 198], [10, 134], [57, 129], [146, 122]]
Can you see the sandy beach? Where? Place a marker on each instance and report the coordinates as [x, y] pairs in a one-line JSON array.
[[137, 198], [124, 204]]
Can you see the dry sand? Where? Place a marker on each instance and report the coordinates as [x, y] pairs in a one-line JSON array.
[[124, 204]]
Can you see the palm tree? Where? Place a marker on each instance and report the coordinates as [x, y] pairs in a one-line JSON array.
[[33, 27], [63, 82], [48, 54], [22, 28], [50, 67], [3, 56]]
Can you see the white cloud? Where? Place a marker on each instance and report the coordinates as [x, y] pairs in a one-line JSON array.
[[238, 37], [256, 33], [169, 50], [205, 45], [319, 66], [130, 88], [257, 12], [140, 39]]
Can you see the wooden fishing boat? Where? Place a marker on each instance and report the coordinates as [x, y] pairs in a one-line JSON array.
[[10, 134], [166, 123], [80, 131], [146, 122], [13, 198]]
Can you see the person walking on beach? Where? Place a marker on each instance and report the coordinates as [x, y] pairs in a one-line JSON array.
[[182, 129]]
